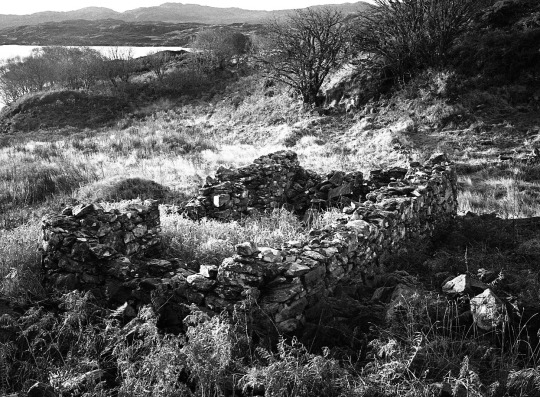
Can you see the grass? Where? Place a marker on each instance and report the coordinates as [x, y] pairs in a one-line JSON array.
[[177, 147], [511, 191], [210, 241], [19, 263]]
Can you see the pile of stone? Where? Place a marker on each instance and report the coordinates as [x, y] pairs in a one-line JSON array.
[[272, 181], [290, 279]]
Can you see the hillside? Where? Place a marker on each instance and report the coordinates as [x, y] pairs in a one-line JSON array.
[[170, 24], [110, 32], [107, 32], [178, 225]]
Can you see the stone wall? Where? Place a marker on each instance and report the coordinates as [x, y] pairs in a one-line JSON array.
[[382, 216], [292, 278], [272, 181], [87, 247]]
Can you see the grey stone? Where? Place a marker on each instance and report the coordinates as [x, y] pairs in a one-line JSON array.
[[270, 255], [342, 190], [488, 311], [102, 251], [247, 249], [282, 292], [221, 200], [82, 210], [200, 282], [297, 269], [209, 271], [464, 284]]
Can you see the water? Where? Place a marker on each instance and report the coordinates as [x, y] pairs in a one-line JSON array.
[[10, 51]]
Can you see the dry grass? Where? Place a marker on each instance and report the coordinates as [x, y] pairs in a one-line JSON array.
[[20, 262], [210, 241], [177, 147]]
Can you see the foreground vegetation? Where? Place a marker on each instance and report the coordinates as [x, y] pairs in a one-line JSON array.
[[166, 132]]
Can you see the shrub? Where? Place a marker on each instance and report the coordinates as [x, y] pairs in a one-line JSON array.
[[499, 56], [19, 263], [209, 353], [149, 364], [407, 36], [118, 188], [294, 372], [218, 48]]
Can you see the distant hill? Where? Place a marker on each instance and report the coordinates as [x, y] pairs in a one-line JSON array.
[[101, 32], [111, 32], [167, 12]]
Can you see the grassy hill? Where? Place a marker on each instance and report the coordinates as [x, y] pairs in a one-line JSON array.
[[178, 144]]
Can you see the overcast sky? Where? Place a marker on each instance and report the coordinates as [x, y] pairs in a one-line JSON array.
[[31, 6]]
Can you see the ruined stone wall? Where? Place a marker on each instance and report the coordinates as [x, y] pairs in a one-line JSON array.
[[87, 247], [292, 278], [90, 248], [272, 181]]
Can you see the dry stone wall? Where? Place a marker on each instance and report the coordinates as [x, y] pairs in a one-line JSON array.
[[294, 277], [87, 247], [272, 181]]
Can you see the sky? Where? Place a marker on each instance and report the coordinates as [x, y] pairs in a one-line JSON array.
[[31, 6]]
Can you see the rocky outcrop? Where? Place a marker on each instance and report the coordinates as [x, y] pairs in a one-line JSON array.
[[87, 247]]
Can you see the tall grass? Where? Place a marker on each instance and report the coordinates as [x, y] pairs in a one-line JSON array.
[[29, 178], [510, 191], [19, 262], [210, 241]]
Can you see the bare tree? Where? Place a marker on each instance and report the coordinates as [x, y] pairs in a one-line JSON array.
[[408, 35], [20, 76], [305, 47]]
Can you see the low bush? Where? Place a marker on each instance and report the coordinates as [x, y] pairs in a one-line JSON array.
[[118, 188], [294, 372]]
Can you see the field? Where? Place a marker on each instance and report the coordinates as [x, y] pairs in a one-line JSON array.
[[177, 146], [113, 129]]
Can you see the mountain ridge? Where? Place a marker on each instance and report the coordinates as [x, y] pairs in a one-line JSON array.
[[166, 12]]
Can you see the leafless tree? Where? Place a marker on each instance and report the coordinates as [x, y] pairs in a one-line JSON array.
[[407, 35], [305, 47]]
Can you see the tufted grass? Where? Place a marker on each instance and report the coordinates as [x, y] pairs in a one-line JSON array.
[[210, 241], [20, 262], [509, 191]]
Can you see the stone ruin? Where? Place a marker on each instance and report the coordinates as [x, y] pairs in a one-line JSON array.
[[112, 253], [273, 181]]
